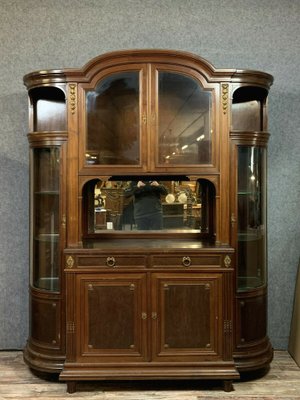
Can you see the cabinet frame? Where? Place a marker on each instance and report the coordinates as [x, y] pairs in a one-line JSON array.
[[153, 257]]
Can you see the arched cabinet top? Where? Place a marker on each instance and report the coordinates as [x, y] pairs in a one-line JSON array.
[[167, 57]]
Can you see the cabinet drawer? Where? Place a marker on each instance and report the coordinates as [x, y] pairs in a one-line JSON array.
[[186, 260], [112, 261]]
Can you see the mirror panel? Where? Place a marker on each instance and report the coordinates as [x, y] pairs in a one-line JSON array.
[[149, 205]]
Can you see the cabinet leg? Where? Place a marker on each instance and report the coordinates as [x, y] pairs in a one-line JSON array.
[[71, 387], [228, 387]]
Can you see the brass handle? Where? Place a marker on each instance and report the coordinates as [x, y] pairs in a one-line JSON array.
[[186, 261], [111, 262]]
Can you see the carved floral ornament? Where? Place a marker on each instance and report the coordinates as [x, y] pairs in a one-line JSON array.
[[69, 262], [225, 91], [72, 98]]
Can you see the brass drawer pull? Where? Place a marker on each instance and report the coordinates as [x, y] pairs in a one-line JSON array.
[[186, 261], [111, 262]]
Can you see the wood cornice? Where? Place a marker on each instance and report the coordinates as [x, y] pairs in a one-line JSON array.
[[161, 56]]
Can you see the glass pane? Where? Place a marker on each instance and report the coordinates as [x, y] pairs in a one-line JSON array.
[[45, 186], [149, 205], [184, 112], [113, 120], [251, 217]]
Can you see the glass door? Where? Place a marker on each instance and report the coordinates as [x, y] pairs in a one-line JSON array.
[[184, 121], [114, 120], [251, 217], [45, 186]]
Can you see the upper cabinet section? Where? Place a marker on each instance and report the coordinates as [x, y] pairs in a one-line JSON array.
[[152, 117], [148, 111]]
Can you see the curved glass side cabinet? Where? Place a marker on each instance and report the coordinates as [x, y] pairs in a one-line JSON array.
[[249, 148], [148, 202], [47, 138]]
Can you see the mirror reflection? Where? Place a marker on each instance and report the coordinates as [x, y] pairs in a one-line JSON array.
[[149, 204]]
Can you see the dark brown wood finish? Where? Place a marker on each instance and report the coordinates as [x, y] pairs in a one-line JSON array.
[[148, 305]]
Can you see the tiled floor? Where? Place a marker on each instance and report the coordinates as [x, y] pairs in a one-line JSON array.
[[18, 382]]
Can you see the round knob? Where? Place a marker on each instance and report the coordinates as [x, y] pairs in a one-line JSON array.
[[111, 262], [186, 261]]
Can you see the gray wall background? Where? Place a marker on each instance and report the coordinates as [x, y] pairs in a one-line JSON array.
[[250, 34]]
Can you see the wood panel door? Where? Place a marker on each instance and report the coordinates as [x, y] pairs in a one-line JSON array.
[[112, 317], [187, 317]]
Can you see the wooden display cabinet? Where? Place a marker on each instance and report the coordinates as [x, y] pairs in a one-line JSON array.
[[161, 135]]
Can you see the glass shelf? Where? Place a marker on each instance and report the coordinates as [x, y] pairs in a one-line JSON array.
[[248, 282], [248, 193], [45, 227], [50, 237], [50, 192]]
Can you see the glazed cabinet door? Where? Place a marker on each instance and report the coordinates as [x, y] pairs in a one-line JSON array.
[[111, 316], [144, 118], [115, 120], [183, 130], [187, 316]]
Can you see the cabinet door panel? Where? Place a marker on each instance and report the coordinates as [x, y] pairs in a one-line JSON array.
[[45, 322], [187, 329], [112, 311], [187, 315]]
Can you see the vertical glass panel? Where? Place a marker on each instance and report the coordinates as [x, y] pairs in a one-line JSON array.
[[251, 217], [184, 120], [45, 229], [113, 120]]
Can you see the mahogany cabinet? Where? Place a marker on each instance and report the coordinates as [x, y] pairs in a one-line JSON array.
[[162, 136]]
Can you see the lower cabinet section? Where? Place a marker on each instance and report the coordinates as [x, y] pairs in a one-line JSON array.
[[186, 316], [149, 325], [111, 317], [45, 349], [253, 349]]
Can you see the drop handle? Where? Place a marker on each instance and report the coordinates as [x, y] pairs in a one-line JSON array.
[[186, 261], [111, 261]]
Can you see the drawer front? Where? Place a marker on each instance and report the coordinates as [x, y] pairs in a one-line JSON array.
[[186, 261], [112, 261]]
